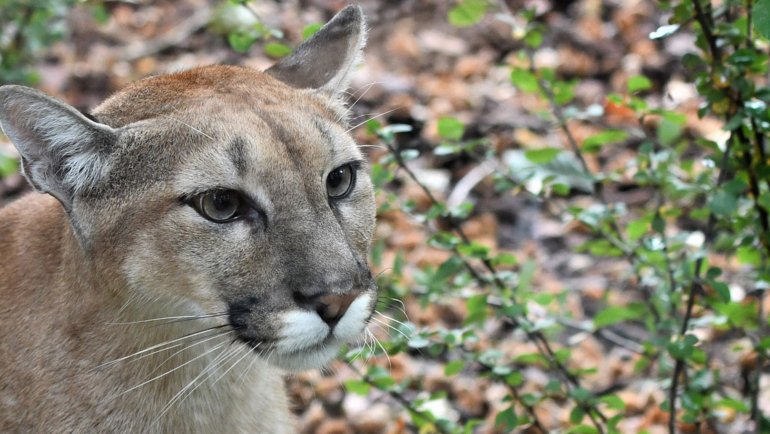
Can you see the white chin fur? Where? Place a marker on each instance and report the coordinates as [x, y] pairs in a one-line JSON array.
[[305, 342]]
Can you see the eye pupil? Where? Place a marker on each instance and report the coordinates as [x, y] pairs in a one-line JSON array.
[[340, 181], [219, 206], [335, 178], [222, 201]]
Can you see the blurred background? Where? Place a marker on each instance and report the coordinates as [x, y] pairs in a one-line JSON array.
[[573, 198]]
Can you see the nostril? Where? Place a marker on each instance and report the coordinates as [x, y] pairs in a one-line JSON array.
[[332, 307]]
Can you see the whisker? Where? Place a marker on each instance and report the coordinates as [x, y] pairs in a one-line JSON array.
[[224, 355], [246, 353], [403, 306], [372, 118], [188, 347], [182, 317], [388, 325], [162, 345], [170, 371], [254, 360], [188, 125], [368, 88], [390, 318], [385, 352]]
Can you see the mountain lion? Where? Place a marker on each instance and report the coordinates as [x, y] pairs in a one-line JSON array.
[[202, 232]]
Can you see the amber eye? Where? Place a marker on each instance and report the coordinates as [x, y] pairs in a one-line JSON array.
[[219, 206], [340, 181]]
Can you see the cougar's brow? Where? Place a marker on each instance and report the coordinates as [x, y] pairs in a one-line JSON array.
[[237, 152], [323, 129]]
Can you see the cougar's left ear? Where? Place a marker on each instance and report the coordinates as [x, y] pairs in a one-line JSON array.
[[63, 153], [326, 60]]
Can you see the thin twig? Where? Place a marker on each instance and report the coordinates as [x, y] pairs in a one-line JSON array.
[[695, 288]]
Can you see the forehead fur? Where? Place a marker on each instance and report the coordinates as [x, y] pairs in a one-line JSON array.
[[202, 88], [167, 119]]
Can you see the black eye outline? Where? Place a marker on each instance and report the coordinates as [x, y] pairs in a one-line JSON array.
[[198, 201], [353, 169]]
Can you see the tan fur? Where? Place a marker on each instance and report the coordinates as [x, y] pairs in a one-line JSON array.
[[124, 310]]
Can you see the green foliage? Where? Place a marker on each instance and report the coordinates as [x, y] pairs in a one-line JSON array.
[[722, 187], [8, 165], [467, 12], [762, 17], [240, 23], [28, 27]]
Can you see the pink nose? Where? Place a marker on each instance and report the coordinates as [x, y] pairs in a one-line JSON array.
[[331, 307]]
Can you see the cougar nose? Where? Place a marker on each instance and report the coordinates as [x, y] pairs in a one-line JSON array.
[[331, 307]]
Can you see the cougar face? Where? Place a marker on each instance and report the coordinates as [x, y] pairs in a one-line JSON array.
[[264, 214], [210, 229]]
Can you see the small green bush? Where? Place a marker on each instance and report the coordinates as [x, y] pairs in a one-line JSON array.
[[722, 189]]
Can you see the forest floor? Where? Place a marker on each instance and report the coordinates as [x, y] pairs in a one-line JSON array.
[[418, 68]]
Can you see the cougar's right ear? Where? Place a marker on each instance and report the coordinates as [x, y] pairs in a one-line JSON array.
[[63, 153]]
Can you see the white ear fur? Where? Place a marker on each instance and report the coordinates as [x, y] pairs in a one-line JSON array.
[[63, 152], [326, 60]]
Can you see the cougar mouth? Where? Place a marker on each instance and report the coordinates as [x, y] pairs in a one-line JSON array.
[[300, 339]]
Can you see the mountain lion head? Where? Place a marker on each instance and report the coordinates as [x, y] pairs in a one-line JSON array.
[[221, 192]]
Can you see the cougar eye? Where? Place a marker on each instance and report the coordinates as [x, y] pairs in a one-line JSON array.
[[219, 206], [340, 181]]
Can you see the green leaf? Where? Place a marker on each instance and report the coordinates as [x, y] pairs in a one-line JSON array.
[[359, 387], [418, 341], [453, 367], [505, 259], [582, 429], [450, 128], [638, 82], [541, 156], [524, 80], [276, 49], [593, 143], [616, 314], [514, 379], [534, 38], [564, 91], [748, 255], [409, 154], [668, 131], [576, 415], [681, 349], [613, 402], [241, 42], [580, 394], [310, 30], [467, 13], [8, 166], [507, 419], [723, 203], [761, 12], [477, 308], [637, 228], [735, 404]]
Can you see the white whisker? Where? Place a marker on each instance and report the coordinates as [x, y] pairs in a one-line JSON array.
[[170, 371], [220, 358], [189, 126], [372, 118], [165, 345]]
